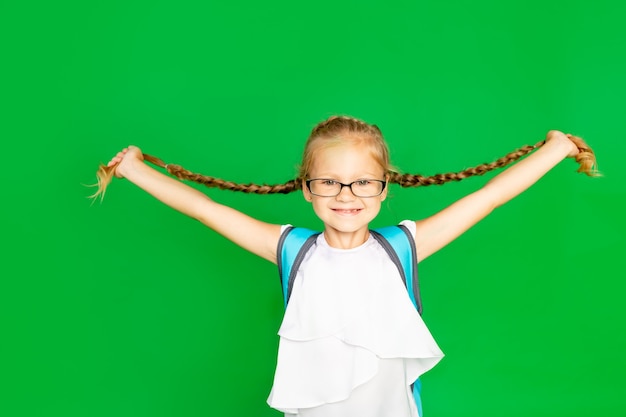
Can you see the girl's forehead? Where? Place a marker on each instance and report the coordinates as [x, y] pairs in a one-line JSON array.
[[346, 160]]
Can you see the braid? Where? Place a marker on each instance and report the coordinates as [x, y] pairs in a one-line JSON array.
[[182, 173], [411, 180], [105, 175], [585, 158]]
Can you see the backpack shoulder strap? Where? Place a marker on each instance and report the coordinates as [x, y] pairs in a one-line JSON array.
[[292, 246], [399, 244]]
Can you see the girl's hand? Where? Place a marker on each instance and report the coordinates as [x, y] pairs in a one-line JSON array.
[[567, 140], [124, 159], [578, 149]]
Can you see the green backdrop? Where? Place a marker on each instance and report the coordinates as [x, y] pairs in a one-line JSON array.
[[127, 308]]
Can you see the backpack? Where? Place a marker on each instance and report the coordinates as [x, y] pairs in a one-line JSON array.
[[397, 241]]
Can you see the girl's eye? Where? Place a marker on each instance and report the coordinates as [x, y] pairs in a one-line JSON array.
[[329, 182], [362, 183]]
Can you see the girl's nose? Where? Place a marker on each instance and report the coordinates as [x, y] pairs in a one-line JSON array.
[[345, 194]]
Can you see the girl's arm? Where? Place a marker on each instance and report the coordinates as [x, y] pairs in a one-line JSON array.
[[253, 235], [435, 232]]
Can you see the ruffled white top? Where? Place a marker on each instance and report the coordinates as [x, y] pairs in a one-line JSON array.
[[351, 341]]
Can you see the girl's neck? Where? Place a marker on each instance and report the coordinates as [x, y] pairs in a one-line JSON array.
[[346, 240]]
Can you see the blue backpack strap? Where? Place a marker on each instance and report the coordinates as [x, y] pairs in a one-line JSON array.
[[292, 246], [399, 244]]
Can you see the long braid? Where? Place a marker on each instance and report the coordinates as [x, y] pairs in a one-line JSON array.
[[585, 158], [184, 174], [331, 127], [411, 180], [105, 175]]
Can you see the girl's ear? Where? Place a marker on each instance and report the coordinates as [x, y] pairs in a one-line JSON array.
[[305, 192], [383, 196]]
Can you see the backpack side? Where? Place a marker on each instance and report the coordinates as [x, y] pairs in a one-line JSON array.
[[293, 245]]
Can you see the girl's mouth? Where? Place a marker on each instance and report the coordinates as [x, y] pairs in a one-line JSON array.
[[347, 211]]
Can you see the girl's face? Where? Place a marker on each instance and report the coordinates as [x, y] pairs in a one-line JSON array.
[[345, 216]]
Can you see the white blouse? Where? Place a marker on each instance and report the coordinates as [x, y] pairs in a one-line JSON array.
[[351, 341]]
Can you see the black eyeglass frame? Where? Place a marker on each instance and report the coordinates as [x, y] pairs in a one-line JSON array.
[[308, 186]]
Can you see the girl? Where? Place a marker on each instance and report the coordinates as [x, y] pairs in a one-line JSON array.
[[351, 342]]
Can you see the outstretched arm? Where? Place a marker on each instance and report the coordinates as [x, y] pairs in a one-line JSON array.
[[253, 235], [435, 232]]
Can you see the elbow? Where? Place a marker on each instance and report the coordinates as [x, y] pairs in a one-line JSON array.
[[201, 210], [493, 197]]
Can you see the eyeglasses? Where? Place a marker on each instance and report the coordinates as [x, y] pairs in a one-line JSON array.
[[325, 187]]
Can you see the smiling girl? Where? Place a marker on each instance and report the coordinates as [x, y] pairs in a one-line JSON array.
[[351, 342]]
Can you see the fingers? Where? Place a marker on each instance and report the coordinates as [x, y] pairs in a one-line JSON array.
[[552, 134], [118, 157]]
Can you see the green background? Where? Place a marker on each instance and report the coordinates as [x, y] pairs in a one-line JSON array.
[[127, 308]]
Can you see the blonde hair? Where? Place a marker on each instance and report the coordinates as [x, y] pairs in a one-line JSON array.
[[342, 129], [339, 129]]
